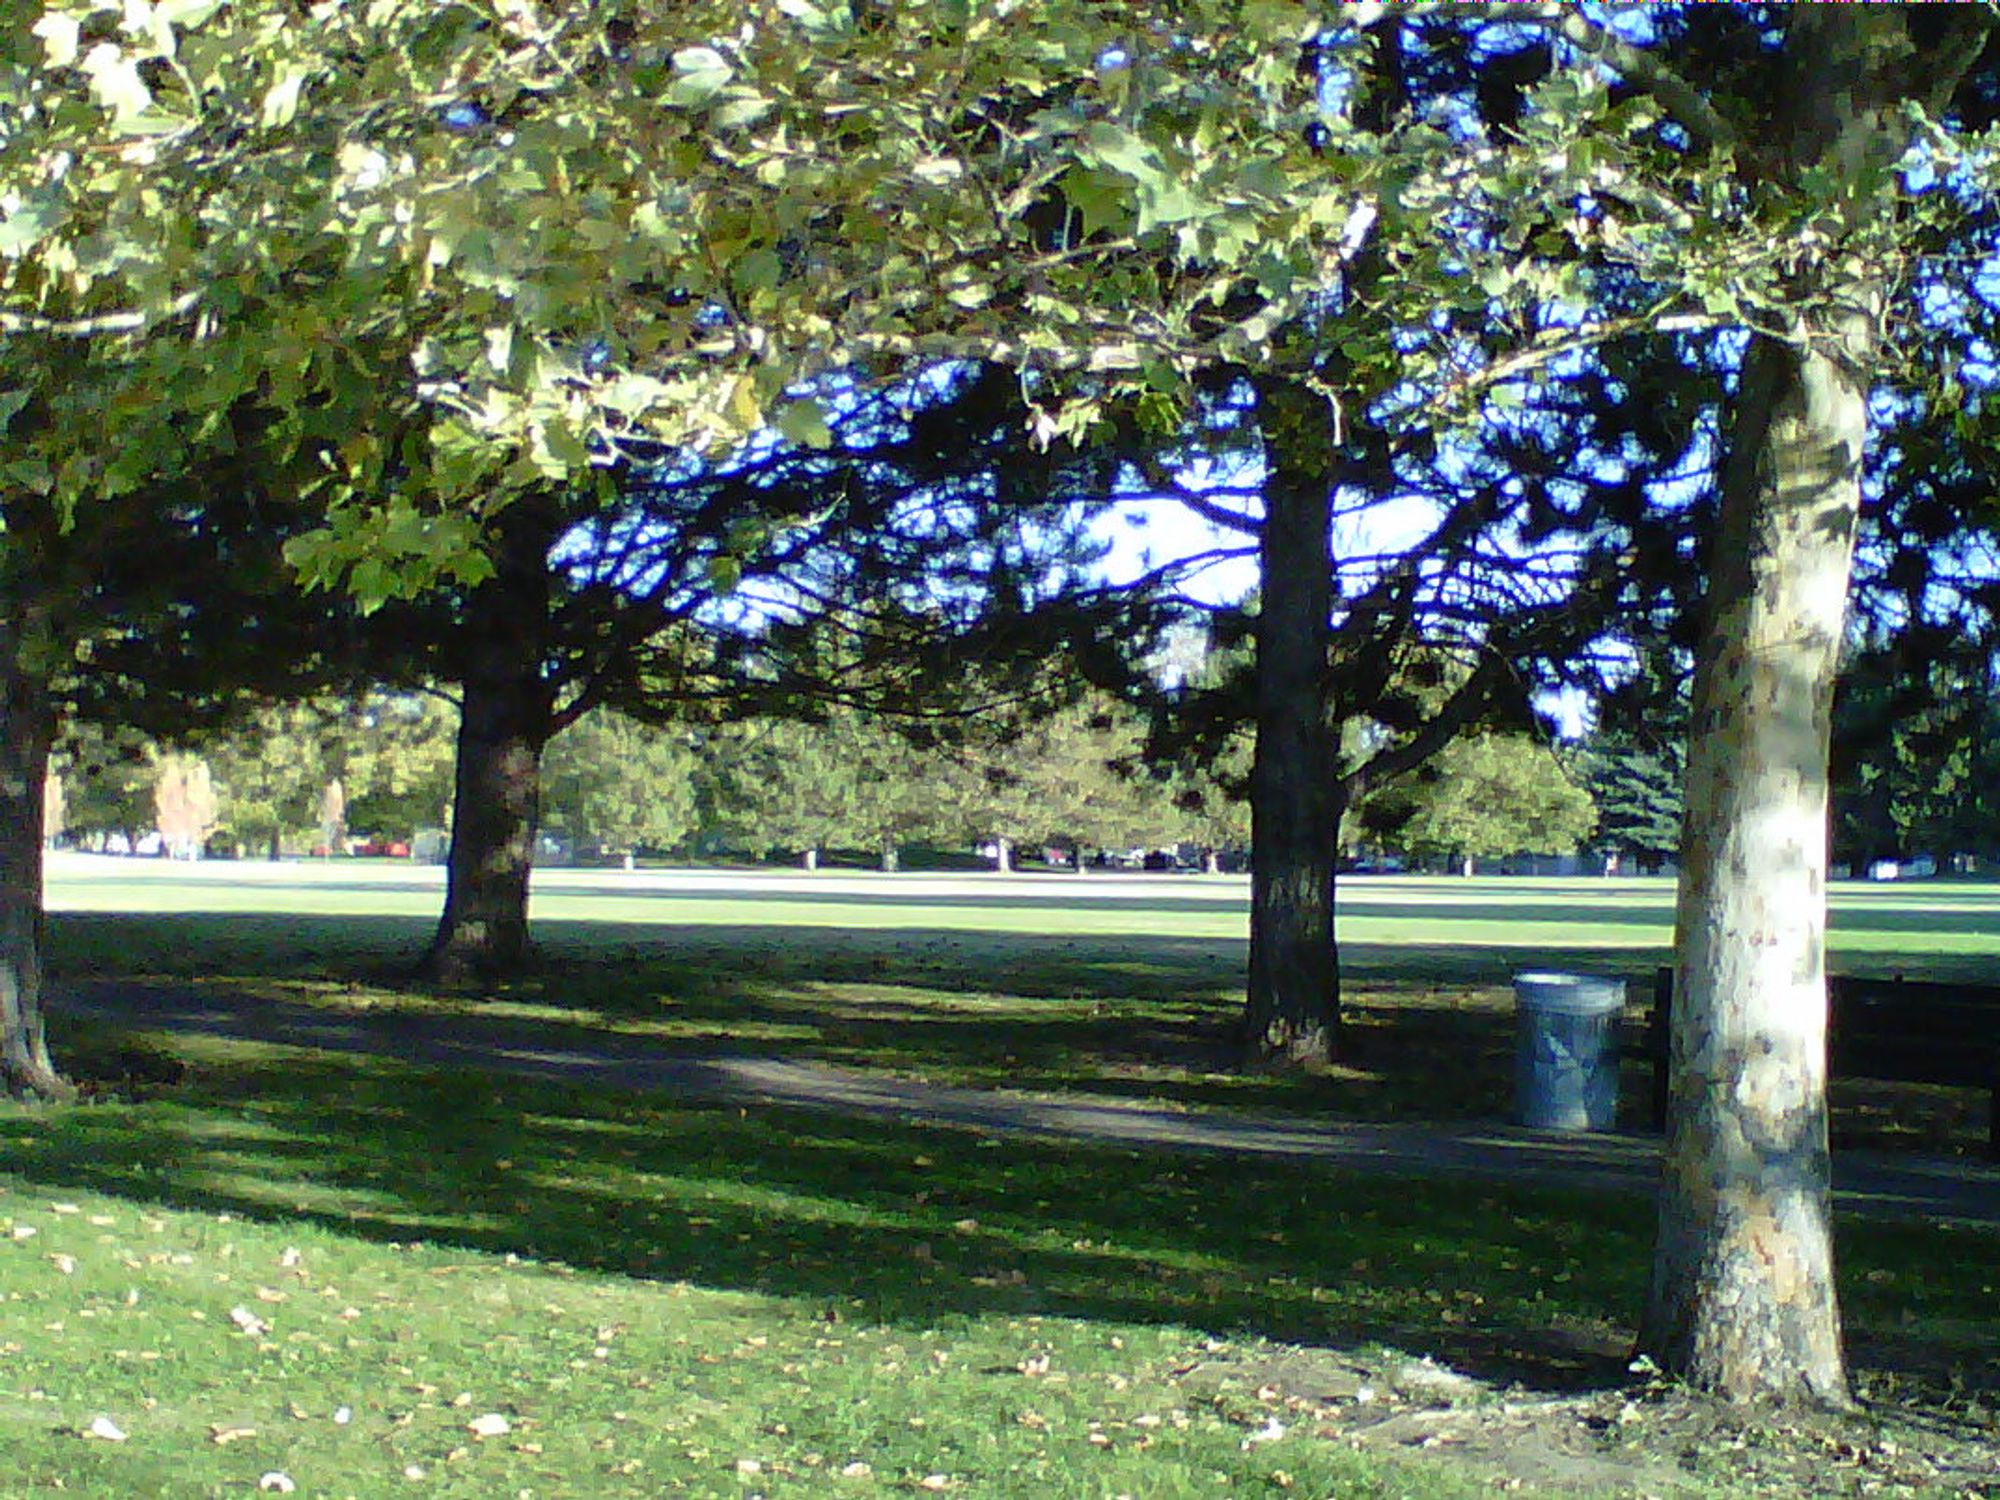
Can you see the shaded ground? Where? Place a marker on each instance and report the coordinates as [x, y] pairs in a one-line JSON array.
[[1932, 1189], [858, 1067], [1321, 1286]]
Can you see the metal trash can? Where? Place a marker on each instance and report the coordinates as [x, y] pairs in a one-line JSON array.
[[1566, 1051]]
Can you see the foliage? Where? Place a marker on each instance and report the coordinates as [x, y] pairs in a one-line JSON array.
[[1915, 748], [395, 763], [1636, 788], [184, 804], [273, 772], [616, 784], [1481, 797], [107, 779]]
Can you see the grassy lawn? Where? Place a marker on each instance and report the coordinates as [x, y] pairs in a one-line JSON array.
[[334, 1268], [375, 1279], [1117, 987]]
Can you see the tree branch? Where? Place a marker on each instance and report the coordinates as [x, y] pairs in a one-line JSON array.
[[1690, 109]]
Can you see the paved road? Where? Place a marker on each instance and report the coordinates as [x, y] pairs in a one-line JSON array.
[[1881, 1185]]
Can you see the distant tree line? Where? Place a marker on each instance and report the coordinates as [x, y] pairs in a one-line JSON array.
[[1074, 783]]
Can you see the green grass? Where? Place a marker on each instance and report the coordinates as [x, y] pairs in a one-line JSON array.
[[654, 1294], [665, 1298], [1128, 990], [1952, 924]]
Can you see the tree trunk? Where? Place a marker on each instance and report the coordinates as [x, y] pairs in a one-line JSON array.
[[274, 849], [1742, 1299], [1003, 856], [1292, 1010], [891, 861], [26, 727], [810, 860], [505, 722], [1742, 1296]]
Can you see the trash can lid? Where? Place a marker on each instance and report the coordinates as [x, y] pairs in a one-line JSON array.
[[1569, 994]]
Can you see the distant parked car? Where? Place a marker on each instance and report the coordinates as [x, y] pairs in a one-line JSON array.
[[381, 849]]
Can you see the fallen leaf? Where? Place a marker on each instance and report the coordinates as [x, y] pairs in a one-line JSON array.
[[342, 1415], [64, 1263], [105, 1428], [856, 1470], [64, 1208], [490, 1424], [24, 1231], [218, 1434], [290, 1257], [749, 1466], [249, 1322], [934, 1482], [276, 1482]]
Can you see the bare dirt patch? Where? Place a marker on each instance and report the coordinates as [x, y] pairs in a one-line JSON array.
[[1910, 1436]]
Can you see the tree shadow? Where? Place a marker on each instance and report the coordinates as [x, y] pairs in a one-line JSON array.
[[911, 1225], [874, 1220]]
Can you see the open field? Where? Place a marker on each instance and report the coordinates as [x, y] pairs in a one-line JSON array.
[[331, 1267], [1877, 926], [253, 1258], [1123, 986]]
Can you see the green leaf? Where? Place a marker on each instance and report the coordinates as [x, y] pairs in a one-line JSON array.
[[700, 73], [59, 34], [31, 223], [725, 572], [756, 270], [281, 100], [1102, 200], [804, 423], [186, 12], [115, 82], [1119, 149]]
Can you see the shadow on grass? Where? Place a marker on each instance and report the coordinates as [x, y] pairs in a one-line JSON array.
[[1430, 1030], [919, 1226], [877, 1221]]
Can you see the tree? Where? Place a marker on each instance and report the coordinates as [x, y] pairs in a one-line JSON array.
[[617, 784], [272, 772], [54, 812], [184, 804], [1914, 749], [395, 752], [1068, 777], [1637, 791], [1139, 197], [865, 570], [107, 783], [1743, 1298], [1483, 796]]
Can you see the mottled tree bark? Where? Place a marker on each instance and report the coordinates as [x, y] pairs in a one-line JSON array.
[[505, 723], [26, 727], [1742, 1299], [1292, 1011], [1742, 1296]]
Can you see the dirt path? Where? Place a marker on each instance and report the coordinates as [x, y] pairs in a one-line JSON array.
[[1880, 1185]]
